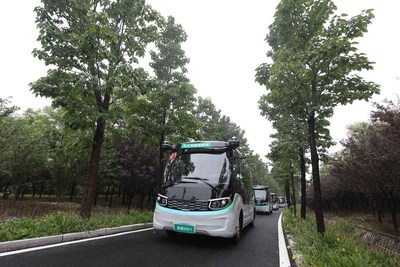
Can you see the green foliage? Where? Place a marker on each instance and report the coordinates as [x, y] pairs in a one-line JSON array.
[[168, 108], [91, 47], [338, 246], [216, 126], [315, 68], [62, 223], [5, 110]]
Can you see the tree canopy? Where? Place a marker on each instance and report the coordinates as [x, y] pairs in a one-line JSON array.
[[315, 67]]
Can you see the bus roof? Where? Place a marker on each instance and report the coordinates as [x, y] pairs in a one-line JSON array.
[[205, 144], [260, 187]]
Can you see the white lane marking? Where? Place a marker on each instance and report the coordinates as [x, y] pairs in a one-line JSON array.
[[70, 242], [283, 253]]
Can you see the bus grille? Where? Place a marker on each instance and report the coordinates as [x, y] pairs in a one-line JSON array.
[[179, 204]]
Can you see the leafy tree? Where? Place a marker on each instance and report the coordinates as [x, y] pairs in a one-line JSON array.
[[216, 126], [315, 59], [67, 150], [171, 102], [260, 172], [138, 161], [24, 152], [91, 47], [284, 155], [5, 110], [369, 160]]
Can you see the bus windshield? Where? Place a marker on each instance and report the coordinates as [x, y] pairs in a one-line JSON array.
[[210, 169], [260, 194]]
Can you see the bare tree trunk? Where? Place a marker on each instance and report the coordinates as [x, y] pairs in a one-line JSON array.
[[287, 191], [294, 195], [319, 216], [303, 184], [393, 209], [161, 156], [41, 189], [72, 192], [108, 191], [90, 188], [111, 197]]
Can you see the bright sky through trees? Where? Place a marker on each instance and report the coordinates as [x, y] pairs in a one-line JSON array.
[[225, 44]]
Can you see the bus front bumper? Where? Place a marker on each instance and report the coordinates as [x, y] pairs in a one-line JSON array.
[[263, 208], [222, 223]]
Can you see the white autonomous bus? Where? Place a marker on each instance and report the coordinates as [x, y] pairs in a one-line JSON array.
[[263, 199], [207, 190]]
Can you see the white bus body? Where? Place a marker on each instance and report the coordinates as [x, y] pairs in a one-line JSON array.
[[206, 190]]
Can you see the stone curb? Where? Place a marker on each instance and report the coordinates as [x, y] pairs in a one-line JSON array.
[[49, 240]]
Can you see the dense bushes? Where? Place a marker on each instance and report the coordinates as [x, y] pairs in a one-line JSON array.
[[365, 176]]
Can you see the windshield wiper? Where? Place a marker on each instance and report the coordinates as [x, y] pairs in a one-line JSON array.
[[172, 183], [204, 180]]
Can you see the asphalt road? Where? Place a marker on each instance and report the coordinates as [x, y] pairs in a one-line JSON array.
[[258, 247]]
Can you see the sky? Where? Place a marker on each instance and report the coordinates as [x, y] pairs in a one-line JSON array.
[[226, 43]]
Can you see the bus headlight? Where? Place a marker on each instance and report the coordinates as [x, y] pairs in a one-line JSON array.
[[219, 203], [162, 200]]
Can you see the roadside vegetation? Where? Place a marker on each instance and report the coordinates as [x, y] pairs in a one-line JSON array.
[[338, 246], [38, 219], [101, 136]]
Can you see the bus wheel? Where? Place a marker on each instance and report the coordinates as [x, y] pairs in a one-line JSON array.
[[254, 219], [236, 238], [171, 233]]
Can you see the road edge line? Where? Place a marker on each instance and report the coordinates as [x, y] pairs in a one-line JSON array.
[[283, 253]]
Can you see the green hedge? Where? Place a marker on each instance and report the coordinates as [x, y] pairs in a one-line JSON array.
[[61, 223]]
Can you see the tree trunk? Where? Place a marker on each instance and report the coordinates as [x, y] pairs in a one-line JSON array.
[[108, 191], [287, 191], [393, 209], [303, 184], [41, 189], [111, 197], [294, 194], [33, 190], [88, 196], [161, 156], [5, 192], [72, 192], [319, 216]]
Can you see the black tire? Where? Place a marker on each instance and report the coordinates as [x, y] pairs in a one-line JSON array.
[[171, 233], [236, 238], [254, 219]]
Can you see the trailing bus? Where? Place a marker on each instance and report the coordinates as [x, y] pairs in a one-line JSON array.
[[206, 190], [263, 199], [282, 201], [274, 200]]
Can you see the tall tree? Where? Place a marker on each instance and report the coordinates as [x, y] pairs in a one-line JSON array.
[[5, 110], [172, 101], [317, 51], [216, 126], [91, 46]]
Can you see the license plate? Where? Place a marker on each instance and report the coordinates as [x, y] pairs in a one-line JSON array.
[[184, 228]]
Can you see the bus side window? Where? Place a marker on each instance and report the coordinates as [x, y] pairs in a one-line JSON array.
[[237, 184], [247, 182]]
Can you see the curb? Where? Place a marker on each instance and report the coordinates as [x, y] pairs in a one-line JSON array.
[[55, 239], [284, 259]]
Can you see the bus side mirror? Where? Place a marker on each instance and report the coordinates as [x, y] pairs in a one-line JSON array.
[[234, 143], [165, 146]]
